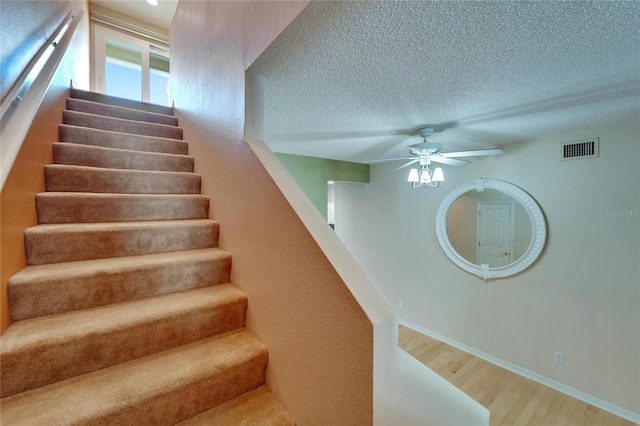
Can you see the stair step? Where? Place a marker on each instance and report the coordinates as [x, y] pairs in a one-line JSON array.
[[127, 103], [120, 112], [108, 139], [42, 290], [121, 125], [256, 407], [84, 341], [87, 207], [160, 389], [93, 156], [71, 242], [64, 178]]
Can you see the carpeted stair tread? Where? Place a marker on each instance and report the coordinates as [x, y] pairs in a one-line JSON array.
[[254, 408], [116, 158], [115, 111], [124, 314], [88, 340], [160, 389], [114, 139], [57, 243], [42, 290], [85, 207], [127, 103], [69, 178], [120, 125]]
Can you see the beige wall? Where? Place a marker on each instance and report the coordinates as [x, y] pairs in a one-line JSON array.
[[320, 342], [40, 18], [581, 298]]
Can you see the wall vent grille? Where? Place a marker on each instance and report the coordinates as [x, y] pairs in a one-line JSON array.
[[580, 149]]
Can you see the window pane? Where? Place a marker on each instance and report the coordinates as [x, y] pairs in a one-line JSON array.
[[159, 88], [158, 62], [123, 70], [159, 79]]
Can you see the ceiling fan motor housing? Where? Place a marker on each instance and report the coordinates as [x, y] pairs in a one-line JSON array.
[[426, 132]]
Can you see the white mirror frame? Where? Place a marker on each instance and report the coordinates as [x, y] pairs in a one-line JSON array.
[[538, 229]]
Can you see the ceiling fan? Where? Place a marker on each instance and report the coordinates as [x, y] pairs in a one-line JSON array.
[[426, 152]]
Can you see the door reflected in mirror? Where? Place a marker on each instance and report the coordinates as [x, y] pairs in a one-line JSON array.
[[489, 227]]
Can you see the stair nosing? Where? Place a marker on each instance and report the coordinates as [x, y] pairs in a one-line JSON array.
[[30, 272], [118, 107], [132, 151], [120, 159], [131, 375], [113, 170], [96, 207], [121, 125], [135, 135], [106, 117], [116, 194], [92, 136], [103, 319], [120, 225], [106, 330], [260, 398], [74, 91], [134, 276], [84, 241]]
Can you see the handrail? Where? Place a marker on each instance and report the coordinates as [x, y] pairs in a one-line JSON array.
[[20, 105]]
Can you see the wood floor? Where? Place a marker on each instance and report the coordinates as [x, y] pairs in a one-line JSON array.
[[510, 398]]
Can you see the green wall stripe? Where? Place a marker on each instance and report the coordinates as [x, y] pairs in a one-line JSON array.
[[312, 174]]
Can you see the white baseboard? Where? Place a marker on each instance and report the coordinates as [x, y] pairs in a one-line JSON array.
[[568, 390]]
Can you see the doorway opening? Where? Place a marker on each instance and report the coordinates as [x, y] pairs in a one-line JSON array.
[[331, 204]]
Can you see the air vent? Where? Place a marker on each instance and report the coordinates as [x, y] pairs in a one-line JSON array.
[[580, 149]]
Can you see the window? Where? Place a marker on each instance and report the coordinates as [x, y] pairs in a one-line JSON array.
[[130, 68]]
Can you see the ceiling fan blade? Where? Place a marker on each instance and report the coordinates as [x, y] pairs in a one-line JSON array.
[[448, 161], [476, 153], [387, 160], [408, 164]]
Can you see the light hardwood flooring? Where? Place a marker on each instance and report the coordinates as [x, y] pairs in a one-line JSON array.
[[510, 398]]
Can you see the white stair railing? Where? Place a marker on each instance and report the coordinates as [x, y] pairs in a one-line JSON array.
[[20, 105]]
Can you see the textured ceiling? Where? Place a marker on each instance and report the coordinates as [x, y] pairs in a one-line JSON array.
[[160, 15], [350, 80]]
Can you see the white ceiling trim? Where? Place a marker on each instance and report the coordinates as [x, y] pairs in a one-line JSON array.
[[134, 30]]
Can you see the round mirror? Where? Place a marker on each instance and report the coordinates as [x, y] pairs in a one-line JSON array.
[[491, 228]]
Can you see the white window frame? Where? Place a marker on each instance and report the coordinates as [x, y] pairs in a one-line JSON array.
[[100, 34]]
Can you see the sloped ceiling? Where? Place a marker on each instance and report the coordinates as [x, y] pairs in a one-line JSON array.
[[353, 81]]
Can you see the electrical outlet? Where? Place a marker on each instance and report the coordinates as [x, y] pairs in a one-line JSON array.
[[559, 358], [399, 302]]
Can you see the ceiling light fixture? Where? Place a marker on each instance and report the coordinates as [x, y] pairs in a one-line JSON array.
[[426, 176], [153, 2], [426, 152]]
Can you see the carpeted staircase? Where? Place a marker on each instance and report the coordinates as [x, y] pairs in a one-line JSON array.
[[125, 314]]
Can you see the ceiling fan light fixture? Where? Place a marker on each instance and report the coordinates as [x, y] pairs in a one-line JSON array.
[[438, 176], [427, 153], [425, 176]]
